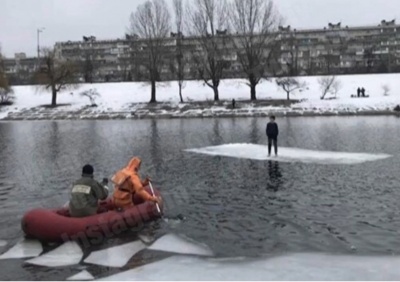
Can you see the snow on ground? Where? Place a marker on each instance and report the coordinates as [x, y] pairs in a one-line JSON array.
[[260, 152], [119, 97], [301, 267]]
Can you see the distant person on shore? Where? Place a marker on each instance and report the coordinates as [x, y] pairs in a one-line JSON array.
[[86, 193], [272, 134], [358, 92], [128, 183]]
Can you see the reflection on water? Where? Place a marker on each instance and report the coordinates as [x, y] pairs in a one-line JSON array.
[[238, 207], [275, 176]]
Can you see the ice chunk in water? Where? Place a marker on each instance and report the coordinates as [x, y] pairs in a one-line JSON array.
[[115, 256], [290, 267], [260, 152], [24, 249], [3, 243], [147, 239], [68, 253], [83, 275], [177, 244]]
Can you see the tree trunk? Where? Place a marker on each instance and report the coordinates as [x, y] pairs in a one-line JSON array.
[[53, 96], [253, 91], [288, 95], [216, 93], [153, 91], [180, 91]]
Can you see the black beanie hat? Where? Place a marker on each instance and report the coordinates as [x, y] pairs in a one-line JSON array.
[[87, 169]]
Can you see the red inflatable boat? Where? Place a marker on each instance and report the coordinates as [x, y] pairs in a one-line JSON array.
[[57, 225]]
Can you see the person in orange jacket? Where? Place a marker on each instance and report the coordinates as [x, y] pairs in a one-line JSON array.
[[127, 183]]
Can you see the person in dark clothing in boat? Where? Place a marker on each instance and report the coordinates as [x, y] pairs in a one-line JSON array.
[[272, 134], [85, 194]]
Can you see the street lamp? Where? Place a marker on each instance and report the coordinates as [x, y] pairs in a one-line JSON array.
[[39, 30]]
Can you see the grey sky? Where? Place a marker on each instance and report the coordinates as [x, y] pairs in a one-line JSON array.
[[106, 19]]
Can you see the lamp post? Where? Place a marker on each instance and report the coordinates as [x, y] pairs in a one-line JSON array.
[[39, 30]]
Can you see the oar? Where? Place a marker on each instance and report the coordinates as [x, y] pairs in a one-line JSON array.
[[152, 192]]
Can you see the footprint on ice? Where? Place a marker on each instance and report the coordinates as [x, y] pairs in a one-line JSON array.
[[260, 152], [23, 249], [301, 267], [177, 244], [68, 253], [83, 275]]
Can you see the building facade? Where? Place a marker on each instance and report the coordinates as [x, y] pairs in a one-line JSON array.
[[335, 49]]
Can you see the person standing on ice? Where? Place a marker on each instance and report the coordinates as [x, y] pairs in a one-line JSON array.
[[85, 194], [127, 183], [272, 134]]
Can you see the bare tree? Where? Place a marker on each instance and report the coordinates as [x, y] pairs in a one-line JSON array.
[[92, 94], [88, 68], [255, 22], [329, 84], [180, 61], [6, 92], [292, 60], [151, 22], [209, 25], [56, 75], [290, 85]]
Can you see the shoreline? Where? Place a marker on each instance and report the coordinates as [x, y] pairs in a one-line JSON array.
[[207, 114]]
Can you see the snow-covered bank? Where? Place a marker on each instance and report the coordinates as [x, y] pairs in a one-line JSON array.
[[129, 100]]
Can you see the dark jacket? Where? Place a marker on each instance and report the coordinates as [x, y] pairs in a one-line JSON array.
[[272, 130], [85, 194]]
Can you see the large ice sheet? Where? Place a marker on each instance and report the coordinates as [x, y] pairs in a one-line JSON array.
[[83, 275], [115, 256], [68, 253], [180, 245], [24, 249], [290, 267], [260, 152]]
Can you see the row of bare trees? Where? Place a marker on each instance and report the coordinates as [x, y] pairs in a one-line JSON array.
[[212, 48]]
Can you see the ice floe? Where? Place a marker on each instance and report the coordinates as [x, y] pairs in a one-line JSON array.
[[23, 249], [289, 267], [68, 253], [178, 244], [116, 256], [260, 152], [83, 275], [147, 239]]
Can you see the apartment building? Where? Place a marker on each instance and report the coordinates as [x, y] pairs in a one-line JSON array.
[[19, 69], [334, 49], [341, 49]]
